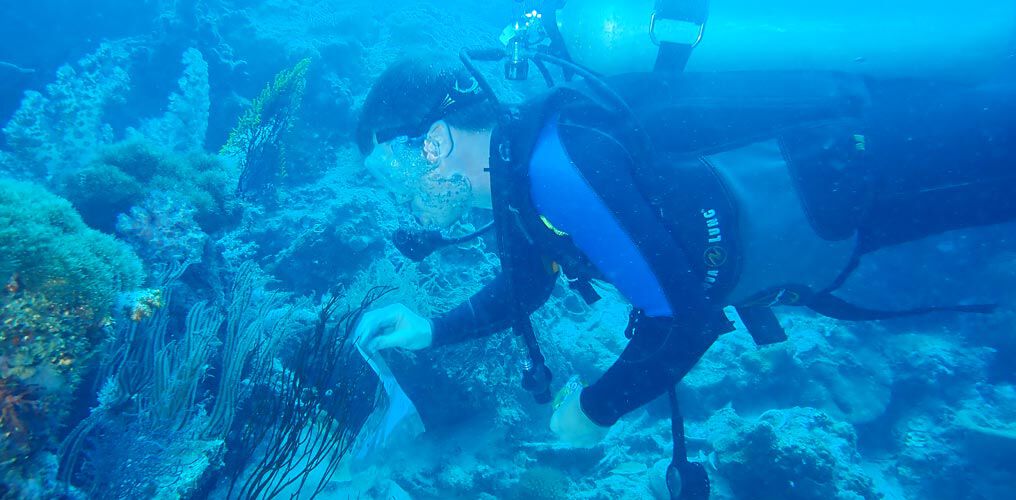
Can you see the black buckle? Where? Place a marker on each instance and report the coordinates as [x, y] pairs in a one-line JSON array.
[[687, 481], [633, 318], [536, 381], [656, 40]]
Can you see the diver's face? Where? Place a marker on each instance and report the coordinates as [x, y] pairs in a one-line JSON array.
[[437, 196]]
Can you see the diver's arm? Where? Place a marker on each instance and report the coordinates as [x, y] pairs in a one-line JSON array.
[[491, 310], [651, 363]]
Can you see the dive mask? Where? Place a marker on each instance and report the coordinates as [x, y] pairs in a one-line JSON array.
[[400, 165], [437, 199]]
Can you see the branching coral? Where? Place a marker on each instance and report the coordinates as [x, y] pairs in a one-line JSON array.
[[181, 365], [61, 138], [54, 133], [150, 402], [302, 418], [184, 125], [145, 433], [258, 143]]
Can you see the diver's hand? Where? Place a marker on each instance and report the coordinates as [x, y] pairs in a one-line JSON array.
[[394, 326], [570, 423]]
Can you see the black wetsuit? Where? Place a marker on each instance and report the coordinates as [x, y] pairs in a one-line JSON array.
[[935, 158]]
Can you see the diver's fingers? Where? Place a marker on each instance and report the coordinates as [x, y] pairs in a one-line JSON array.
[[382, 342], [364, 328], [374, 323], [367, 327]]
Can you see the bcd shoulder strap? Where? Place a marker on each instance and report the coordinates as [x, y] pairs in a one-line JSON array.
[[674, 54]]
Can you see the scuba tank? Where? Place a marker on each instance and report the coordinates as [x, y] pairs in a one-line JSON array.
[[968, 42]]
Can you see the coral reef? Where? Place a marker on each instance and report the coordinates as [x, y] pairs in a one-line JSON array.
[[334, 225], [795, 453], [854, 386], [208, 384], [183, 127], [966, 445], [125, 172], [53, 133], [44, 349], [63, 281], [138, 462], [53, 253], [540, 483], [159, 430], [146, 436], [163, 230], [991, 420], [933, 366], [63, 138], [259, 141]]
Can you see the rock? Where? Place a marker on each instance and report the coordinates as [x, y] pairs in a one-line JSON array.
[[822, 365], [629, 469], [796, 453], [938, 366], [989, 425], [926, 442], [658, 479]]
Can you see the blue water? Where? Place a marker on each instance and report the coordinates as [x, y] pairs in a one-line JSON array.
[[189, 237]]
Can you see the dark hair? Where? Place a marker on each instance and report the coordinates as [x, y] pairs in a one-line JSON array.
[[408, 97]]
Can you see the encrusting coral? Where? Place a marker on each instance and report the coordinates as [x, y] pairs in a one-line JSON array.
[[541, 483]]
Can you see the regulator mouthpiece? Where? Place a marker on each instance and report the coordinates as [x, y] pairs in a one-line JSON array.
[[417, 245]]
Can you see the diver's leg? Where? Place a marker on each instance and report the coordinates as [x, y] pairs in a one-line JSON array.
[[661, 352], [942, 161]]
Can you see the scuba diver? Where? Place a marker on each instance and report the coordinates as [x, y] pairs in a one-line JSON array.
[[688, 192]]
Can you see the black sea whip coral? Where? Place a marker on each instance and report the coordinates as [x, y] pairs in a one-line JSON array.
[[258, 143], [314, 416]]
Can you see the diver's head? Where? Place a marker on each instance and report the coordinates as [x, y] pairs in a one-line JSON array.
[[425, 132]]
